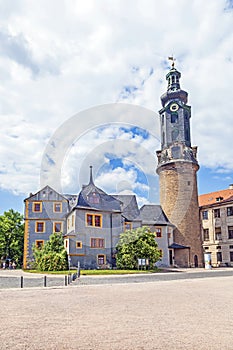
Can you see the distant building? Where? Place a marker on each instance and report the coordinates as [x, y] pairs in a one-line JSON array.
[[216, 211]]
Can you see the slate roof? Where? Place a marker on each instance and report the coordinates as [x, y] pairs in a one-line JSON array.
[[48, 189], [129, 207], [152, 214], [93, 197]]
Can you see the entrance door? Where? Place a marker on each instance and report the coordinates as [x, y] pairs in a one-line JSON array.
[[171, 257], [195, 260]]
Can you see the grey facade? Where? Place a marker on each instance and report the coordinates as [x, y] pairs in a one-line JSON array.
[[91, 223]]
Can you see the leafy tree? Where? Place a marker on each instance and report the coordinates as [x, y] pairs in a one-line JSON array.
[[52, 256], [137, 244], [12, 236]]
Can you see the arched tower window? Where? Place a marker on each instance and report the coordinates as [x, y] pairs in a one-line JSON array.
[[175, 134], [174, 118]]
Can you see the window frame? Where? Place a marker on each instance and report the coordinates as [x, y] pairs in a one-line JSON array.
[[230, 211], [218, 233], [104, 259], [206, 233], [158, 232], [217, 213], [36, 226], [230, 232], [39, 241], [80, 243], [205, 215], [54, 226], [33, 207], [54, 206], [97, 243], [93, 220], [128, 223]]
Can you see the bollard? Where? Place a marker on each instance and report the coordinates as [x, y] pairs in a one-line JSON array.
[[78, 269], [66, 280], [21, 282], [45, 281]]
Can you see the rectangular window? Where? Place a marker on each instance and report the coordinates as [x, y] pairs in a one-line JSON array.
[[94, 220], [229, 211], [68, 223], [205, 215], [230, 232], [231, 247], [217, 213], [97, 220], [218, 233], [206, 234], [57, 227], [97, 243], [72, 220], [66, 243], [39, 244], [40, 226], [231, 256], [219, 256], [101, 259], [57, 207], [79, 245], [127, 226], [158, 232], [37, 207]]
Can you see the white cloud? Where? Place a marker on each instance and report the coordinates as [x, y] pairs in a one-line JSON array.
[[91, 53]]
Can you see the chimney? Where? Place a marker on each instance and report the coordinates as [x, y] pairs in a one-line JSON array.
[[231, 187]]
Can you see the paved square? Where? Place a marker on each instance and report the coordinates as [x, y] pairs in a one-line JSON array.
[[181, 314]]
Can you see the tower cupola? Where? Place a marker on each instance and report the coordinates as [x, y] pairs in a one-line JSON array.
[[174, 91]]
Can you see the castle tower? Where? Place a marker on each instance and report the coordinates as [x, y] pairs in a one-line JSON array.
[[177, 168]]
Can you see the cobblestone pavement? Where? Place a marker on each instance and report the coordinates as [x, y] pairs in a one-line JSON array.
[[192, 314]]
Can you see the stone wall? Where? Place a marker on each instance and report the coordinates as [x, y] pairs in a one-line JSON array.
[[179, 200]]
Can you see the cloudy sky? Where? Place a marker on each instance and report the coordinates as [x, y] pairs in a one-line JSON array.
[[81, 83]]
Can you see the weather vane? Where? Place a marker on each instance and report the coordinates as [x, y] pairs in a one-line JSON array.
[[171, 58]]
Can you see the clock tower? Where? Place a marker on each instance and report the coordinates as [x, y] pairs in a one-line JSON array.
[[177, 168]]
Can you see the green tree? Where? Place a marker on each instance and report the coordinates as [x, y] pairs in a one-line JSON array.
[[137, 244], [12, 236], [52, 256]]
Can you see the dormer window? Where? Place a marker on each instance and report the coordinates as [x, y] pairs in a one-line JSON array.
[[93, 198], [219, 199]]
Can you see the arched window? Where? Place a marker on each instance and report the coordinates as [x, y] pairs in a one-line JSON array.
[[175, 134], [174, 118]]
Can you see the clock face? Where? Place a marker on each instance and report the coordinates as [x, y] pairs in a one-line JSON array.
[[174, 107]]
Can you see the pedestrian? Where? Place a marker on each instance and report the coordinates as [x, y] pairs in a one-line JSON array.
[[4, 265], [10, 265], [14, 265]]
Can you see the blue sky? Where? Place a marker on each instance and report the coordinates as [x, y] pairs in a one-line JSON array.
[[61, 77]]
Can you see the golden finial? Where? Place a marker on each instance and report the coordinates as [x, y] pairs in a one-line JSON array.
[[171, 58]]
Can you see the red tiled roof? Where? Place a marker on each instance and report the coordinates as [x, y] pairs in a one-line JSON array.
[[211, 198]]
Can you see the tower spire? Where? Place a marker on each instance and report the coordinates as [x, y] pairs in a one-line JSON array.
[[91, 182]]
